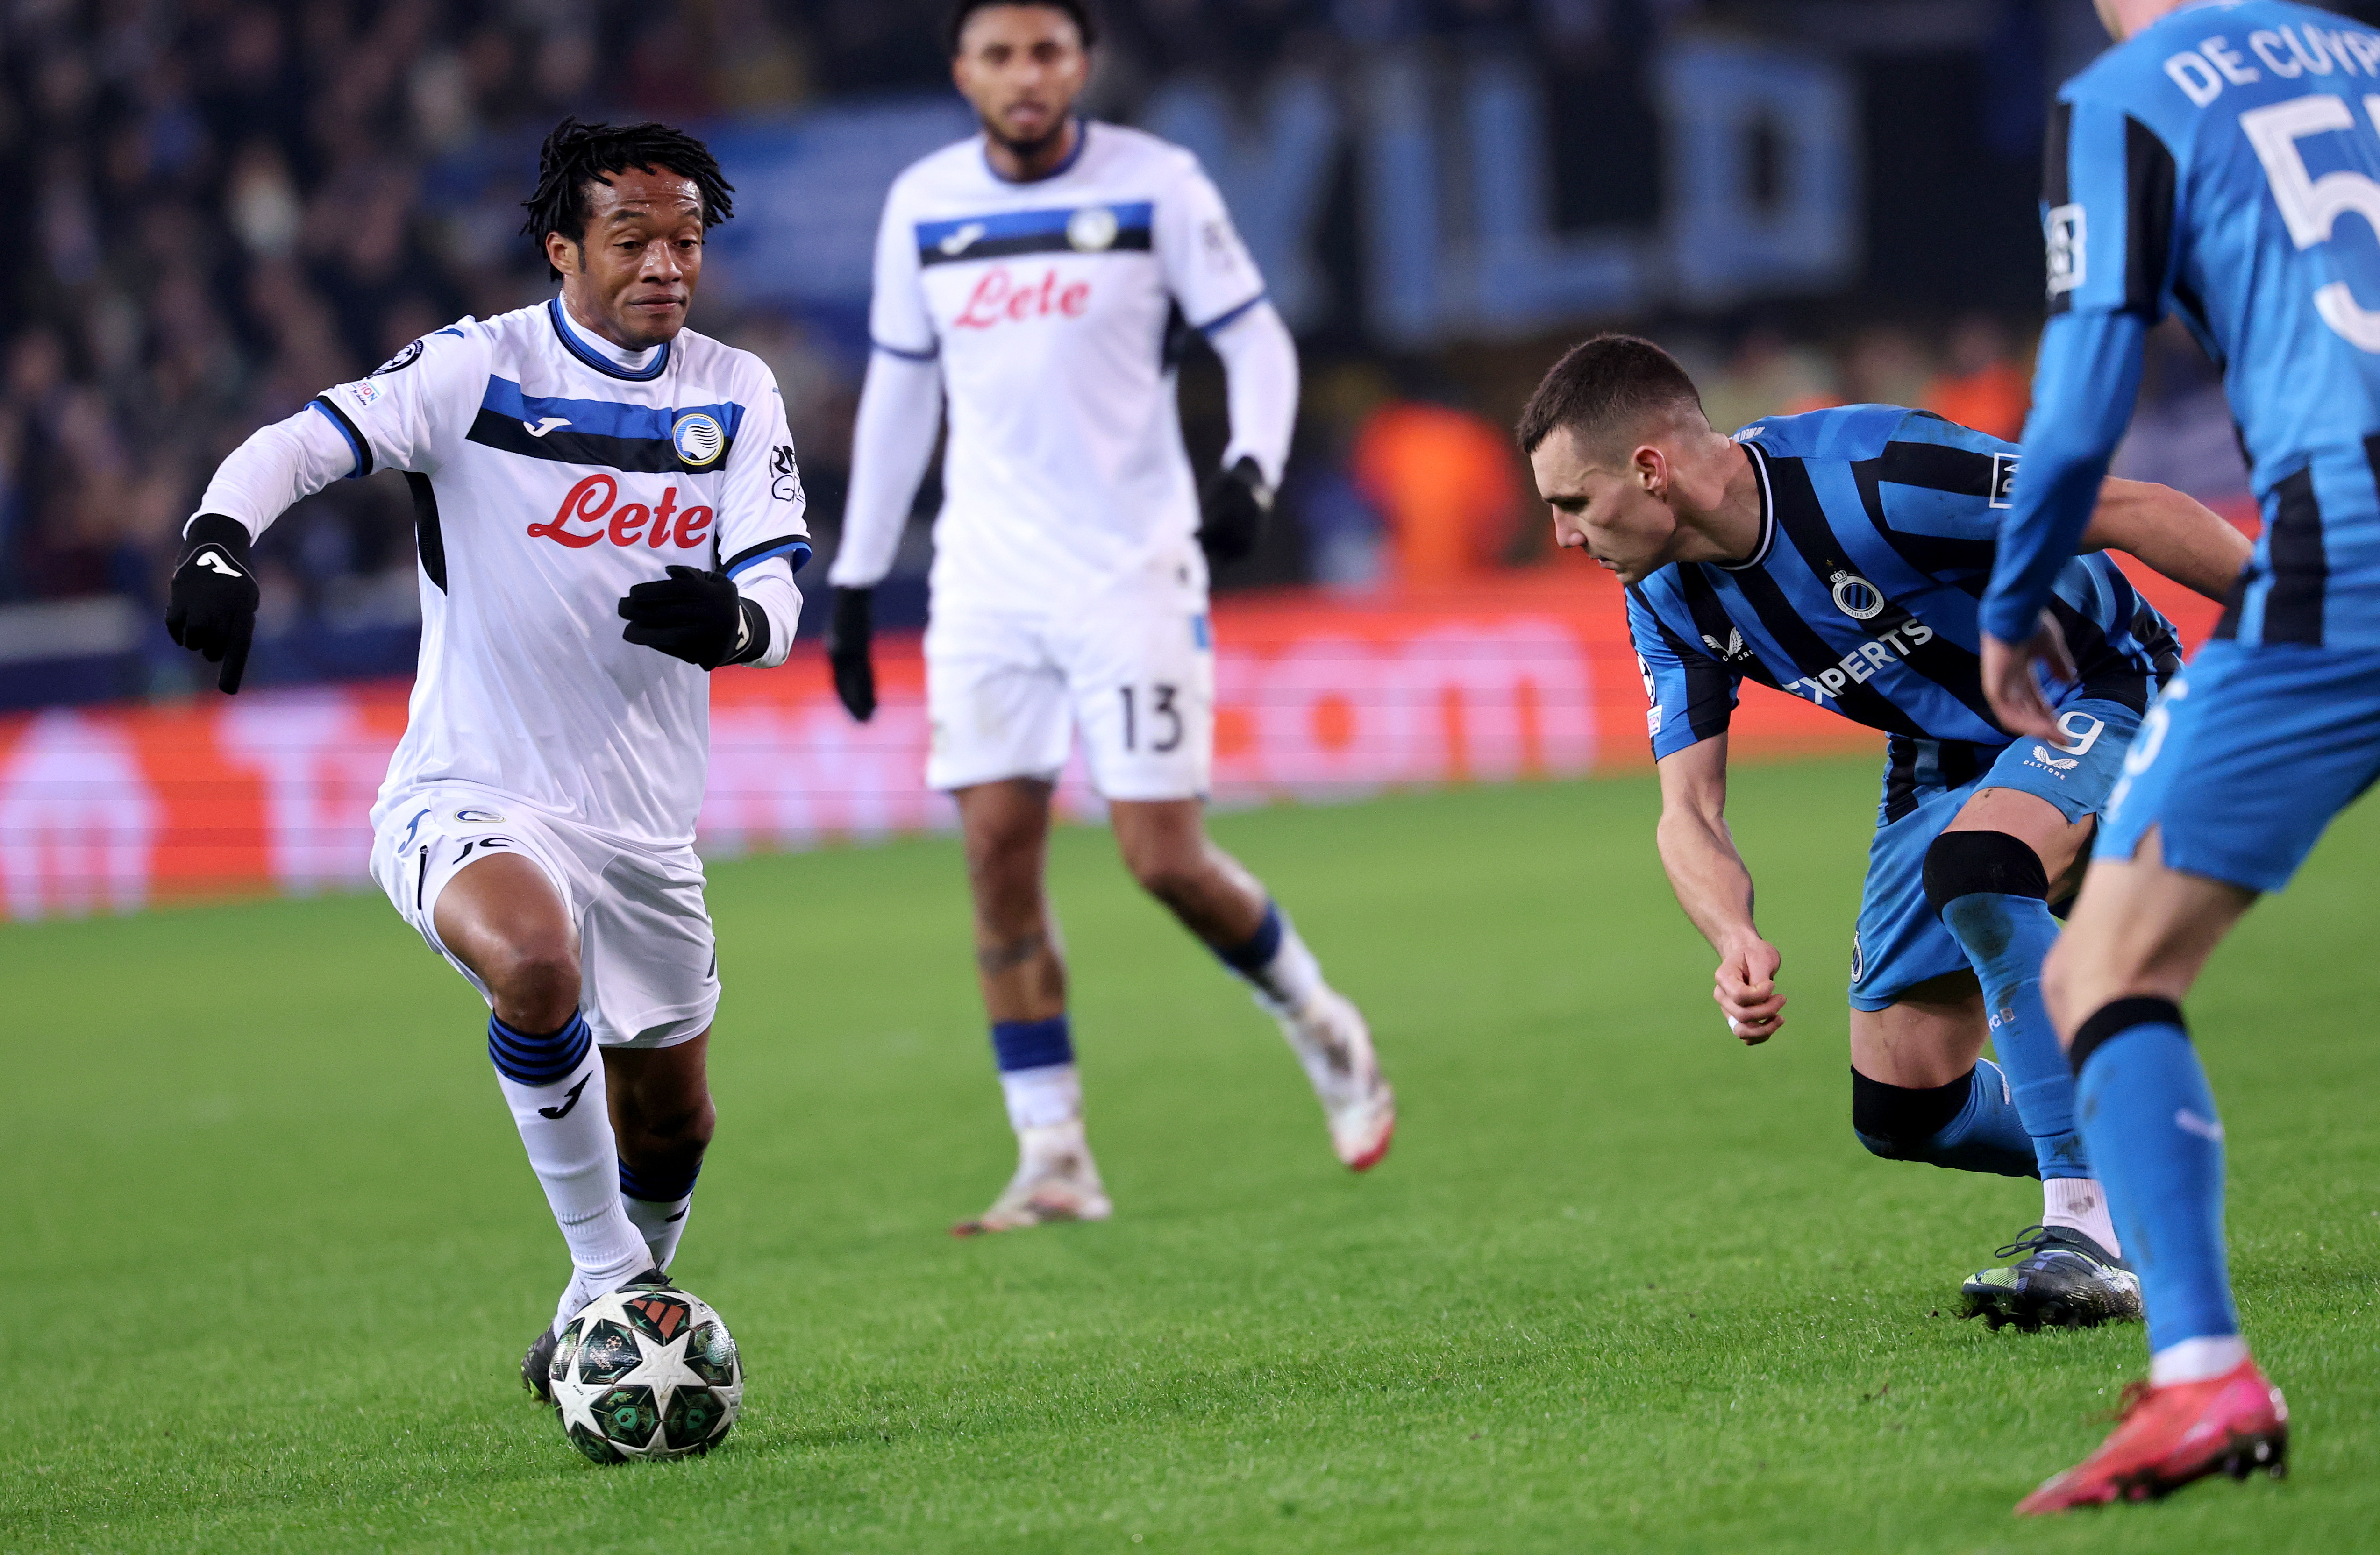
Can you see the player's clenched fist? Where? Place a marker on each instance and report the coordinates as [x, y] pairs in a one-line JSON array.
[[695, 616], [1747, 992], [211, 605], [847, 634], [1233, 513]]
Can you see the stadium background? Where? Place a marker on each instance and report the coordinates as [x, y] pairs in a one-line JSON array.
[[230, 205]]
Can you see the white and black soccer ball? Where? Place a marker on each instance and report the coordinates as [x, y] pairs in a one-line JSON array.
[[646, 1372]]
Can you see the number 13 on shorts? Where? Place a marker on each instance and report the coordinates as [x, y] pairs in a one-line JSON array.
[[1149, 732]]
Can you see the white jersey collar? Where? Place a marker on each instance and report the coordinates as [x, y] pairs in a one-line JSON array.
[[600, 354]]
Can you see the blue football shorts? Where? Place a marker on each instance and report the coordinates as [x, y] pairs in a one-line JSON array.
[[2246, 757], [1900, 940]]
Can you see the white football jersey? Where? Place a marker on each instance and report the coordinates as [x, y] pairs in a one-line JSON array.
[[1048, 304], [547, 481]]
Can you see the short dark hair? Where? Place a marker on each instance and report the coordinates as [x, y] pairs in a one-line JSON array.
[[1078, 11], [1602, 385], [577, 154]]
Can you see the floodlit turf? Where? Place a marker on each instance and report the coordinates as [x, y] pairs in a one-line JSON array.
[[1623, 1284]]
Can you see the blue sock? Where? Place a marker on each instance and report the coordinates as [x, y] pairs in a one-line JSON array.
[[1970, 1125], [2151, 1123], [2005, 939], [538, 1058], [1031, 1044], [1252, 957], [658, 1187]]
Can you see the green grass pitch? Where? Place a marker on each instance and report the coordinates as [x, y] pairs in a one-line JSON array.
[[272, 1252]]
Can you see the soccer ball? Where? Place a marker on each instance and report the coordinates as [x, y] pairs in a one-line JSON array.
[[646, 1372]]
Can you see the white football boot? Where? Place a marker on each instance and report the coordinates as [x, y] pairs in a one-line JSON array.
[[1331, 1042], [1056, 1180]]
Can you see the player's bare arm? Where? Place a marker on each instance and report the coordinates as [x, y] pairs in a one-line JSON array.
[[1714, 885], [2173, 534]]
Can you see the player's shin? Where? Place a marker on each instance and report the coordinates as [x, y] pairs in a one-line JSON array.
[[553, 1083], [2150, 1121], [657, 1203], [1991, 890]]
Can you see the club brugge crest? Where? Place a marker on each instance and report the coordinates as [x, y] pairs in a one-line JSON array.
[[1856, 597], [1092, 229], [699, 440]]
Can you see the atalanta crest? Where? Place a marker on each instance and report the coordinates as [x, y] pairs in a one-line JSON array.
[[699, 440]]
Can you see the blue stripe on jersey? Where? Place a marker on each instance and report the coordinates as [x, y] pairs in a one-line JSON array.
[[796, 548], [1228, 314], [1878, 527], [602, 418], [2207, 168], [1058, 230]]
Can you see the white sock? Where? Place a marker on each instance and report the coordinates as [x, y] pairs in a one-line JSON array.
[[660, 1224], [2079, 1204], [2196, 1360], [1291, 976], [1061, 1143], [566, 1127], [1038, 1098]]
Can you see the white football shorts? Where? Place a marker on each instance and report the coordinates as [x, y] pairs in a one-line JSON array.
[[1136, 673], [648, 964]]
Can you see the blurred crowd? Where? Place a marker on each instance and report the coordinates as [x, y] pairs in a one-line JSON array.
[[236, 203]]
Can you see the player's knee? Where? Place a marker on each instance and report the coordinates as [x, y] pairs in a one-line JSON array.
[[1003, 864], [1900, 1123], [675, 1133], [1981, 863], [1169, 874], [535, 980]]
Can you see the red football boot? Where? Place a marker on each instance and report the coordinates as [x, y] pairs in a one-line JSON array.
[[2236, 1423]]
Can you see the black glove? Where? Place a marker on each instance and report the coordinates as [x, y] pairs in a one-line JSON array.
[[1233, 511], [699, 617], [211, 605], [847, 632]]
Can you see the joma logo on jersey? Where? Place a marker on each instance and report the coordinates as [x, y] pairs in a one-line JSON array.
[[594, 504], [999, 298], [1862, 663]]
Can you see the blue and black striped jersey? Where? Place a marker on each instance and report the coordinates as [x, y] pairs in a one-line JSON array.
[[2208, 168], [1877, 529]]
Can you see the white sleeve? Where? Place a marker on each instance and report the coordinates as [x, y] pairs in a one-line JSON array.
[[762, 507], [1261, 371], [277, 467], [1207, 267], [416, 408], [768, 583], [898, 320], [892, 440]]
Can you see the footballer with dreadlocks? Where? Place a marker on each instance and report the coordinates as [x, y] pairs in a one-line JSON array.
[[576, 465]]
